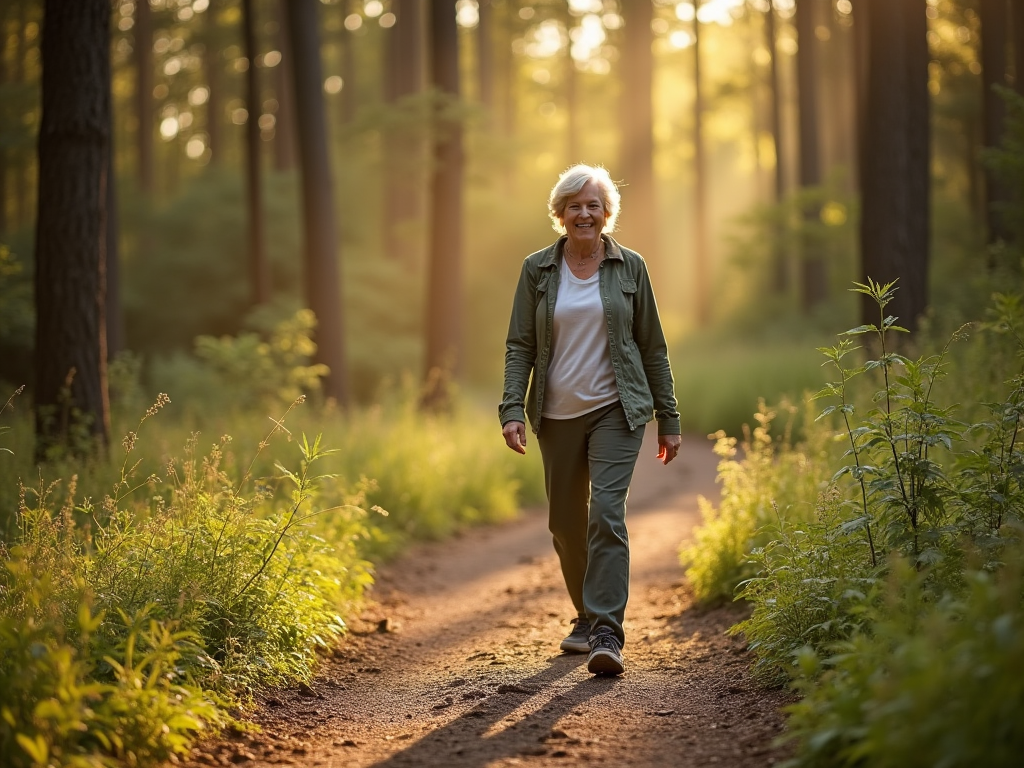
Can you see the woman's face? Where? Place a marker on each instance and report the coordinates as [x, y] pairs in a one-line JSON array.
[[584, 214]]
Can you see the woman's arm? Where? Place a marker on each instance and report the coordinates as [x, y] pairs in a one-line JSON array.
[[650, 341], [520, 349]]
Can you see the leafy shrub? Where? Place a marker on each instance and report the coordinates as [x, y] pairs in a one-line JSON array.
[[126, 636], [933, 682], [772, 474], [814, 579]]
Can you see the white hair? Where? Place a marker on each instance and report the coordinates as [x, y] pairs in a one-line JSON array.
[[571, 182]]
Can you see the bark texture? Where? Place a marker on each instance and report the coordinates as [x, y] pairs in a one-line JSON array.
[[895, 158], [322, 277], [74, 146]]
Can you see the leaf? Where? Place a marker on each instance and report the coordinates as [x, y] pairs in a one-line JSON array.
[[36, 748], [860, 329]]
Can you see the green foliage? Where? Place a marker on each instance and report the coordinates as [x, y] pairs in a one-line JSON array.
[[129, 627], [907, 583], [771, 473], [718, 378], [813, 581], [262, 374], [934, 683]]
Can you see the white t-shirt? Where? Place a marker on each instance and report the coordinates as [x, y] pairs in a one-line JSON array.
[[580, 376]]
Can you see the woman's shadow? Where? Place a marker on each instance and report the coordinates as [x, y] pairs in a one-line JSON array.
[[471, 738]]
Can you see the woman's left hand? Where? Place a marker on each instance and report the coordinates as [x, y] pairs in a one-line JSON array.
[[668, 447]]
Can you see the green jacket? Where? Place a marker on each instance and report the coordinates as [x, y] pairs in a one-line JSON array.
[[638, 349]]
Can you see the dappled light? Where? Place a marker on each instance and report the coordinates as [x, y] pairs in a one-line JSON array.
[[269, 270]]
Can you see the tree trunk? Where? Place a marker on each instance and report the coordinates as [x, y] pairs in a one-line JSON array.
[[74, 144], [112, 263], [322, 276], [895, 161], [211, 65], [259, 268], [639, 218], [995, 24], [144, 93], [780, 267], [284, 126], [485, 55], [702, 259], [404, 56], [444, 297], [813, 274]]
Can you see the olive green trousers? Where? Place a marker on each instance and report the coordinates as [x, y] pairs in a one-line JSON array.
[[588, 465]]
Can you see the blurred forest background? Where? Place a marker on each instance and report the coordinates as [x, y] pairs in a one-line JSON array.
[[735, 126]]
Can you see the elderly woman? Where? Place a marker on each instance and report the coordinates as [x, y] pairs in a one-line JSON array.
[[585, 326]]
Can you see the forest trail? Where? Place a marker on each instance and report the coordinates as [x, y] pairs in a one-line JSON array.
[[455, 661]]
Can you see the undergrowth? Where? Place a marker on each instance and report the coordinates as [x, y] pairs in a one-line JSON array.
[[145, 597], [903, 583]]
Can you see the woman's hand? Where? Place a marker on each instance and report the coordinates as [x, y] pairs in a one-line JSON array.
[[515, 436], [668, 447]]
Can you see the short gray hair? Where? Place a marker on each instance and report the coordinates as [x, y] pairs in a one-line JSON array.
[[571, 182]]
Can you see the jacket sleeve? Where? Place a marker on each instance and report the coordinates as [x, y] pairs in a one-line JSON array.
[[520, 348], [650, 340]]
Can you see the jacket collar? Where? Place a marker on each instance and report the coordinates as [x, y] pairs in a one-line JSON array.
[[553, 251]]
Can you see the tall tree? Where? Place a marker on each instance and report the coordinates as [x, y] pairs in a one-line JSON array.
[[444, 286], [112, 262], [211, 67], [74, 143], [639, 214], [321, 274], [995, 26], [813, 275], [895, 156], [259, 267], [701, 256], [144, 94], [284, 126], [780, 268], [404, 76]]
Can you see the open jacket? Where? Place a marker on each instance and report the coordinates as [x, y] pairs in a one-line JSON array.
[[636, 340]]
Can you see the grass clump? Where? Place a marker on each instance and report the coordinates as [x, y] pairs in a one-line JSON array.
[[759, 475], [131, 625]]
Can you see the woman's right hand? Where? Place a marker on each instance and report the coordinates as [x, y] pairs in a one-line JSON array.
[[515, 436]]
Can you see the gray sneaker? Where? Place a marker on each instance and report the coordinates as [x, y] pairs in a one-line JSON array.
[[605, 656], [578, 640]]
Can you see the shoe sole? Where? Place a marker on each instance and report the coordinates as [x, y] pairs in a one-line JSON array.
[[605, 663], [571, 646]]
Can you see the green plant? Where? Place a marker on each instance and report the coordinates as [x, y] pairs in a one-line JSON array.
[[903, 487], [814, 581], [771, 473], [932, 683]]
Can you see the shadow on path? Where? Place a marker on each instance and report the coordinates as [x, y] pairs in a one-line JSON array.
[[517, 720]]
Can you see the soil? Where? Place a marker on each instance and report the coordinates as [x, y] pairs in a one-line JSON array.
[[455, 660]]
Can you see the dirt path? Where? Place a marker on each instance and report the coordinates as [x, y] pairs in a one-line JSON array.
[[457, 661]]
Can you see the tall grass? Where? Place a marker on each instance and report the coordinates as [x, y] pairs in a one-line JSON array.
[[145, 595]]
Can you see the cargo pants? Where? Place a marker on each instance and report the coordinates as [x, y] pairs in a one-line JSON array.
[[588, 465]]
